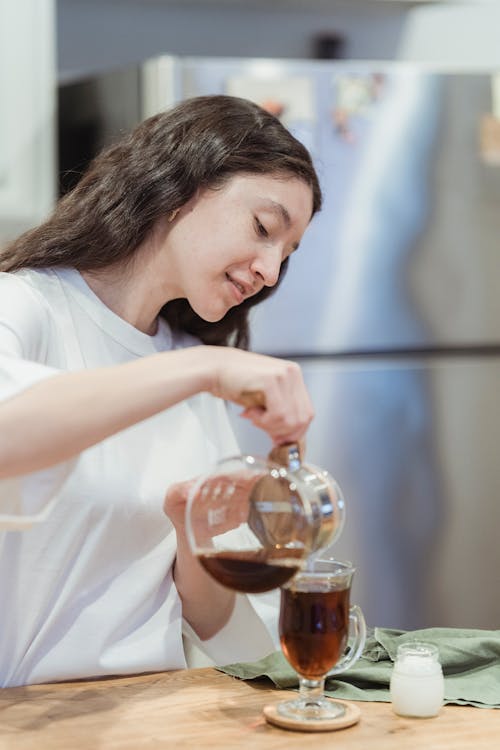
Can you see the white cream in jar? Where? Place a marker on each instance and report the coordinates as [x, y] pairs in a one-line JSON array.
[[417, 682]]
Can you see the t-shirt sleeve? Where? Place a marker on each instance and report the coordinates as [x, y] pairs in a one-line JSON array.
[[24, 321]]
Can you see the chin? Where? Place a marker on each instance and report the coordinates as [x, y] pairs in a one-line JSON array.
[[214, 314], [212, 317], [217, 318]]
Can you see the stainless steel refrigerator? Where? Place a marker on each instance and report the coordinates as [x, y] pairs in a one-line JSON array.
[[391, 306]]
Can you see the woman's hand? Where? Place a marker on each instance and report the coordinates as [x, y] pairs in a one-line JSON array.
[[175, 504], [283, 407]]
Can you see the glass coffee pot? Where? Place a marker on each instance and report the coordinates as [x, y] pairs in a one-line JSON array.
[[254, 522]]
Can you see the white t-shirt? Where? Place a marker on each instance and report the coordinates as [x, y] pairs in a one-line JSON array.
[[89, 591]]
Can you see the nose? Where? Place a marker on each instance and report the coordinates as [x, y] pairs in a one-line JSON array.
[[266, 266]]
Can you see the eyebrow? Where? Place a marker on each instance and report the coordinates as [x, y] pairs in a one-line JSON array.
[[280, 210]]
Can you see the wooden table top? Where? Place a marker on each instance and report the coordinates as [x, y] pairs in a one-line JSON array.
[[204, 708]]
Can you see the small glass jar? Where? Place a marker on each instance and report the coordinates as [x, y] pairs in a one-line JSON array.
[[417, 682]]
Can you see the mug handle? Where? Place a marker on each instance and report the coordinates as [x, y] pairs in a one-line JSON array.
[[356, 642]]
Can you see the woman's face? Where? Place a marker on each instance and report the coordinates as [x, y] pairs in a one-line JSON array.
[[226, 244]]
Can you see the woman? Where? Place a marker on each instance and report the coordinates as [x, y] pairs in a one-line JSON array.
[[123, 324]]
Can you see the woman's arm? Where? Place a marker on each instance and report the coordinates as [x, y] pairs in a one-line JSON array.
[[206, 605], [64, 414]]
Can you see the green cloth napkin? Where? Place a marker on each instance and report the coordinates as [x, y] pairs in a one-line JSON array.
[[470, 661]]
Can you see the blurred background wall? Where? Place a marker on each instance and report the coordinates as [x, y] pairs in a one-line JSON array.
[[97, 34]]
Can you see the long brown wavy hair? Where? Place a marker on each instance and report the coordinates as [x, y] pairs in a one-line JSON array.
[[157, 168]]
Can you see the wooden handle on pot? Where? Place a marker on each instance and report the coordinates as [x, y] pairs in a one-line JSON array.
[[282, 454], [252, 398]]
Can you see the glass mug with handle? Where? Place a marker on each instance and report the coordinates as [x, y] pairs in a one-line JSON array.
[[321, 633]]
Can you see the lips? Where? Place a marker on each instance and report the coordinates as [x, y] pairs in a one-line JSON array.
[[241, 289]]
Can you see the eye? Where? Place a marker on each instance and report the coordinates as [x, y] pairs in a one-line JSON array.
[[260, 228]]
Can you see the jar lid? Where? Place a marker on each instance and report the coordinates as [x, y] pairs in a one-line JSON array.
[[418, 649], [417, 658]]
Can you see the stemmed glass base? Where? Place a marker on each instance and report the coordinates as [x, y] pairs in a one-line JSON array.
[[311, 705]]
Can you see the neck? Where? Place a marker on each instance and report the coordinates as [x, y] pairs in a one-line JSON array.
[[138, 290], [128, 295]]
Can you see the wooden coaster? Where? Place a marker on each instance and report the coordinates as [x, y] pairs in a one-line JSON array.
[[351, 716]]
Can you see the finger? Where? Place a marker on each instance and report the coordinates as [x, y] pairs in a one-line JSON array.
[[280, 427], [252, 412]]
